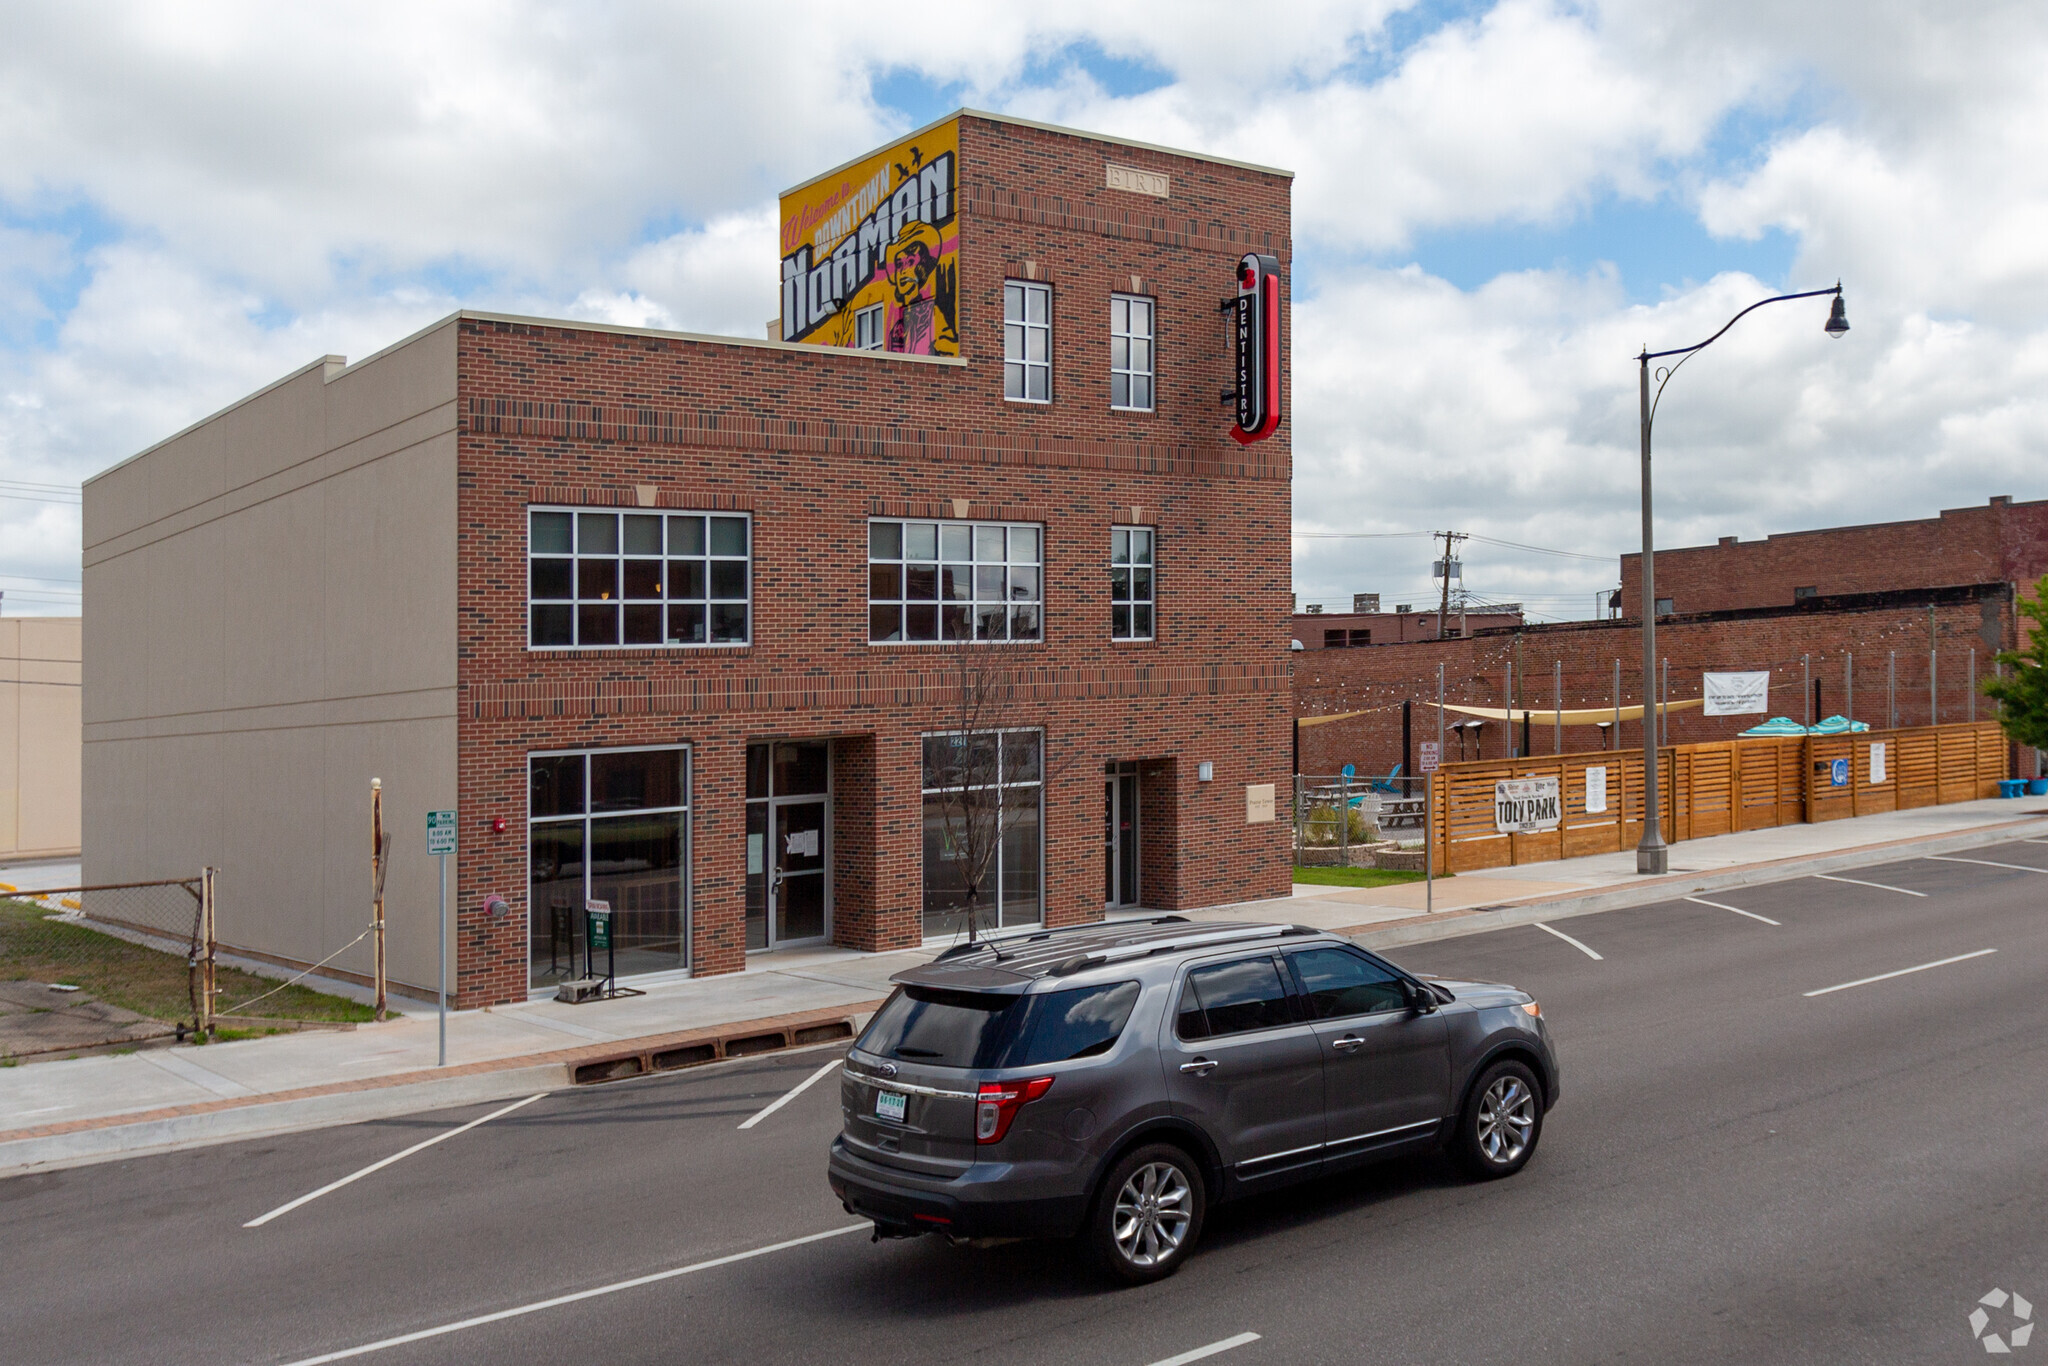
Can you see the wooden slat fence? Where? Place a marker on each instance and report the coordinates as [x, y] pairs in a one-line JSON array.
[[1718, 788]]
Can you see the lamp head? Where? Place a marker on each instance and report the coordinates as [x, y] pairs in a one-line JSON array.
[[1838, 316]]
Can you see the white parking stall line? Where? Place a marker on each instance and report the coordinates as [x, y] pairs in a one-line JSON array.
[[1887, 976], [1569, 940], [1984, 863], [333, 1186], [806, 1084], [1702, 901], [557, 1301], [1203, 1353], [1859, 882]]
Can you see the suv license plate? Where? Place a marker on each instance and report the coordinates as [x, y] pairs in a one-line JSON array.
[[889, 1105]]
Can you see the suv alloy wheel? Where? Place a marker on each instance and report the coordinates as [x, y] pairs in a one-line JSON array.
[[1148, 1213], [1501, 1122]]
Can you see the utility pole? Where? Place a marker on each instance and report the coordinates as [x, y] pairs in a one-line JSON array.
[[1444, 568], [380, 848]]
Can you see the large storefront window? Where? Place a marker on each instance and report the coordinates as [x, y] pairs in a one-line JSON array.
[[607, 825], [983, 827]]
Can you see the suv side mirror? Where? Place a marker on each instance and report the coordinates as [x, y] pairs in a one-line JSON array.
[[1421, 999]]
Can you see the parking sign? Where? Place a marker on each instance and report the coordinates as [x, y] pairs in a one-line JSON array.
[[440, 832]]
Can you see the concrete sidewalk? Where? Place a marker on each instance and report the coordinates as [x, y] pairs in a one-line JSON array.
[[64, 1112]]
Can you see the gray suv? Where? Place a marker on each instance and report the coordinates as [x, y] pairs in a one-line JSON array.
[[1115, 1081]]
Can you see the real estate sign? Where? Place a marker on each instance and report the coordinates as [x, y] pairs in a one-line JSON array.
[[1522, 806]]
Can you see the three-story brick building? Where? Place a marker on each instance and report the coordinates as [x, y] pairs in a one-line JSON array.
[[716, 629]]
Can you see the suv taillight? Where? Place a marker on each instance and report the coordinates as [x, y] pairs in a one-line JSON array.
[[1000, 1101]]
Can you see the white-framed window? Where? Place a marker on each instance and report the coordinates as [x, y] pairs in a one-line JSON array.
[[1130, 352], [1131, 582], [1027, 342], [607, 579], [983, 821], [867, 328], [955, 581], [610, 825]]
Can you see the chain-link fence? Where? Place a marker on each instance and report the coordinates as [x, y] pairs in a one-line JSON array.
[[119, 964], [116, 963], [1355, 820]]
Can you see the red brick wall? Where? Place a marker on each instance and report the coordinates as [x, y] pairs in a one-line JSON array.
[[2003, 542], [1476, 674], [812, 442]]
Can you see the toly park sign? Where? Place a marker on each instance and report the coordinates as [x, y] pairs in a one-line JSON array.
[[1522, 806]]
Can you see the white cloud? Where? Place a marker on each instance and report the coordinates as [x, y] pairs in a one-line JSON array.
[[275, 183]]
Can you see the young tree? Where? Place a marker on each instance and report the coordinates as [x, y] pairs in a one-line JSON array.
[[970, 769], [2022, 690]]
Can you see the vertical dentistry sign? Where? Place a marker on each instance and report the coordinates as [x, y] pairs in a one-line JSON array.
[[881, 232], [1257, 331]]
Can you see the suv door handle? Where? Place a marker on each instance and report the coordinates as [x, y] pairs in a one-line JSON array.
[[1200, 1066], [1347, 1043]]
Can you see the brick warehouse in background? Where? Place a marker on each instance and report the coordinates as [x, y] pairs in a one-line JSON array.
[[650, 610], [1885, 638]]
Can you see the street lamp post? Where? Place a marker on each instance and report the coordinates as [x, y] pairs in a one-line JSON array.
[[1652, 854]]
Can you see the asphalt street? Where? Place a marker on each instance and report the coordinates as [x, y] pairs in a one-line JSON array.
[[1745, 1166]]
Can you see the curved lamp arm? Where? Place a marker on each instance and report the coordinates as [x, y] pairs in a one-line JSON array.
[[1688, 352]]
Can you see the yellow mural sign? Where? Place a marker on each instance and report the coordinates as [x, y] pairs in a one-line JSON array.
[[870, 253]]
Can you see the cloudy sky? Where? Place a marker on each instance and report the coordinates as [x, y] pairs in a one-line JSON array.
[[1497, 205]]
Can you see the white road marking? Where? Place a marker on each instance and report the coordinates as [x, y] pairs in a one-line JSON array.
[[1702, 901], [1985, 863], [1213, 1349], [332, 1186], [46, 1110], [481, 1319], [1887, 976], [1858, 882], [1568, 939], [806, 1084]]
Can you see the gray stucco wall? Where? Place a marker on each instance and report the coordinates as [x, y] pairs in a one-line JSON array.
[[269, 624]]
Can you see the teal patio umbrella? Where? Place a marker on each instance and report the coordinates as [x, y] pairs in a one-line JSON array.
[[1777, 725]]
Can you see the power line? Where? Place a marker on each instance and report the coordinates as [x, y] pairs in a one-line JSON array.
[[1542, 549]]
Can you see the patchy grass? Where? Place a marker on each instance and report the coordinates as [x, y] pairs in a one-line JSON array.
[[1355, 877], [147, 981]]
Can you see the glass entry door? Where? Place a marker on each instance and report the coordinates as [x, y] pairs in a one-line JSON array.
[[789, 843], [1120, 834]]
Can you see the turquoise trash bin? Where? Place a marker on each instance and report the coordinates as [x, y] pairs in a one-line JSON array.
[[2037, 787]]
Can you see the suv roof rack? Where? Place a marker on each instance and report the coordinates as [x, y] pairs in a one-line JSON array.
[[996, 943], [1124, 952]]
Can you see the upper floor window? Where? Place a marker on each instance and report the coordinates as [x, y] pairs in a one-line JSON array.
[[867, 329], [1027, 342], [1130, 352], [1130, 582], [637, 578], [954, 581]]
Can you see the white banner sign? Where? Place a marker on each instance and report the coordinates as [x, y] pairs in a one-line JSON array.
[[1877, 761], [1743, 694], [1524, 805], [1596, 790]]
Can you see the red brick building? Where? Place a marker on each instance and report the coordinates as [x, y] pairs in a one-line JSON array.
[[688, 618], [1904, 657], [1352, 630], [2002, 542]]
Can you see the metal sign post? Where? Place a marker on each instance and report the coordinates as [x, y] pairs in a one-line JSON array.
[[441, 843]]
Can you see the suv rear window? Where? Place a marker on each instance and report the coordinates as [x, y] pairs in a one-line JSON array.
[[986, 1031], [1082, 1023], [941, 1028]]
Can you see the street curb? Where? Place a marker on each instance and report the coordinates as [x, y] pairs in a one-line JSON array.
[[1529, 910], [74, 1143]]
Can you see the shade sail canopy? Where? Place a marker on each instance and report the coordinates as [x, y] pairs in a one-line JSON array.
[[1572, 716]]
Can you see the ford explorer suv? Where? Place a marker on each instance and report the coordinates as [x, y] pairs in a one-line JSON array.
[[1114, 1082]]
